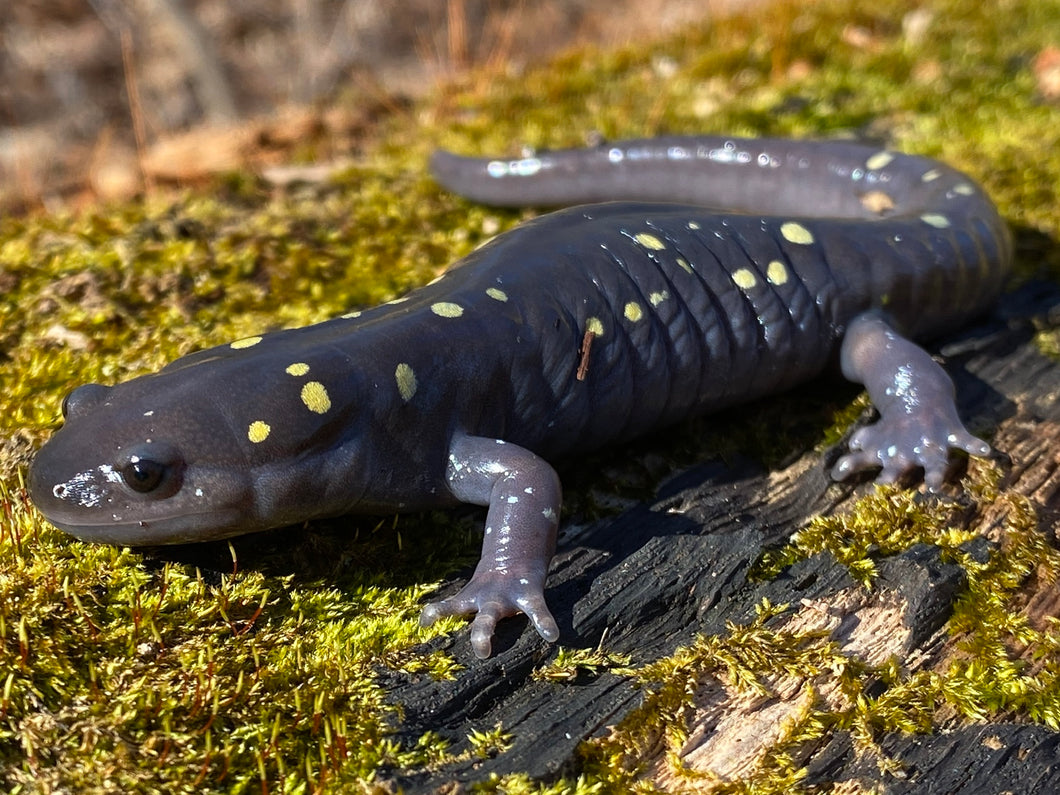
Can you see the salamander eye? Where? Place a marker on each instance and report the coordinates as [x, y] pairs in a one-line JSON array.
[[143, 474], [154, 468], [79, 400]]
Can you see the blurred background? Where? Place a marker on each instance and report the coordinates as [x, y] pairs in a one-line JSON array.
[[100, 97]]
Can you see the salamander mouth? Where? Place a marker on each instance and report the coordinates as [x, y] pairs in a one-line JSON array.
[[181, 528]]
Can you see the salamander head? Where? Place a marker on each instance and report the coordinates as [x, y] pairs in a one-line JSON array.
[[120, 473]]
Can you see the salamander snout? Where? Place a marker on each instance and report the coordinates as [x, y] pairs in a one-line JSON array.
[[94, 492], [146, 462]]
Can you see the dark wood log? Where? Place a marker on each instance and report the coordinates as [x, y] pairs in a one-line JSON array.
[[969, 760]]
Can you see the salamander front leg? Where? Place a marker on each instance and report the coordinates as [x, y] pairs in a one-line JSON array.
[[523, 495], [918, 423]]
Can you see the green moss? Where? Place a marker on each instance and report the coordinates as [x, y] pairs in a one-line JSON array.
[[886, 522], [1048, 342], [571, 665], [742, 659], [523, 785], [122, 673], [488, 743], [116, 671]]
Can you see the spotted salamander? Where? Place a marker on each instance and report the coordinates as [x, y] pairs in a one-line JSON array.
[[580, 328]]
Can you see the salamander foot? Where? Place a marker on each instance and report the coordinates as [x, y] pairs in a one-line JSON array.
[[491, 596]]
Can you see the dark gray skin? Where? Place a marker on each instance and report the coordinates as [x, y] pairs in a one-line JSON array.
[[581, 328]]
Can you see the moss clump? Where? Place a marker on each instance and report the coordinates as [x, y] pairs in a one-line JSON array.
[[743, 658], [569, 665], [886, 522], [133, 675]]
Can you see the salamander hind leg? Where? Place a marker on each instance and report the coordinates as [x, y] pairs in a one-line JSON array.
[[523, 495], [918, 425]]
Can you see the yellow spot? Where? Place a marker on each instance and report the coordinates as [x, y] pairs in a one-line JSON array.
[[744, 279], [649, 241], [247, 342], [447, 309], [594, 325], [659, 297], [777, 272], [693, 225], [406, 381], [258, 431], [684, 264], [964, 189], [936, 220], [351, 314], [931, 175], [633, 312], [298, 368], [876, 201], [879, 160], [497, 295], [796, 233], [315, 397]]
